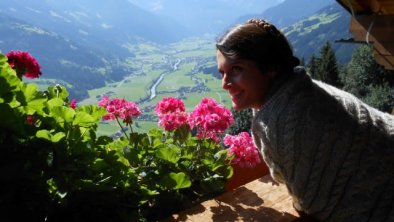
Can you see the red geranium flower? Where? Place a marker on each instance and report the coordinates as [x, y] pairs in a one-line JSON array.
[[24, 64], [30, 119]]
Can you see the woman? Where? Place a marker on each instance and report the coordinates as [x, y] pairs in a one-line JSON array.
[[334, 153]]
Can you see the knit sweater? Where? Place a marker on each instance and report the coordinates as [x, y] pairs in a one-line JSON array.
[[334, 153]]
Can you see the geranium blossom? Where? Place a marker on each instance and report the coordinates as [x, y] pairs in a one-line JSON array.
[[104, 101], [30, 119], [171, 113], [243, 148], [169, 105], [73, 103], [210, 119], [24, 64], [119, 108]]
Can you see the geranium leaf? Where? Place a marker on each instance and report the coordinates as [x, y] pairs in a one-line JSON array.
[[55, 102], [44, 134], [65, 113], [30, 90], [176, 181], [57, 137], [168, 154], [84, 119]]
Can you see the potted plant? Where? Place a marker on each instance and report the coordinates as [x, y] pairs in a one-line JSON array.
[[58, 169]]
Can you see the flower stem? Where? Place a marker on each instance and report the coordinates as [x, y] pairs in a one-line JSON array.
[[121, 127]]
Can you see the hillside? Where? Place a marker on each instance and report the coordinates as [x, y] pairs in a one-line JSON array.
[[83, 44], [68, 62], [102, 24], [289, 11], [328, 24]]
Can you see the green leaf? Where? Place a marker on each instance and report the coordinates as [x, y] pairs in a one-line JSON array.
[[85, 120], [93, 110], [58, 136], [47, 135], [9, 82], [63, 113], [176, 181], [168, 154], [44, 134], [99, 164], [30, 91], [55, 102]]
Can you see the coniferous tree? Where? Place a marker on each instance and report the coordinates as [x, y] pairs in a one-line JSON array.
[[312, 66], [369, 81], [328, 71]]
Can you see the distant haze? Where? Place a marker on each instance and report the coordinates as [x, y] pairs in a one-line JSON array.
[[202, 16]]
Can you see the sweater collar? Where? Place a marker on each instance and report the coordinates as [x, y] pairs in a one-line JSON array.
[[281, 83]]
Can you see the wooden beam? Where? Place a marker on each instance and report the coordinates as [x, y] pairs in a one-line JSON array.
[[379, 30]]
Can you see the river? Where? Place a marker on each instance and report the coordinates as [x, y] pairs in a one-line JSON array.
[[161, 77]]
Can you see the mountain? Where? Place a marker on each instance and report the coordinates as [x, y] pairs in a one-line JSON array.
[[103, 24], [68, 62], [289, 11], [205, 16], [330, 23], [82, 43], [309, 24]]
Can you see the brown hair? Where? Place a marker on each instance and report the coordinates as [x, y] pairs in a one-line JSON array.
[[259, 41]]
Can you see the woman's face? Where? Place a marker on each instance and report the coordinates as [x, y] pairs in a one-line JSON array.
[[245, 83]]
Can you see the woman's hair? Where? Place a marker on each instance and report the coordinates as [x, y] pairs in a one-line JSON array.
[[259, 41]]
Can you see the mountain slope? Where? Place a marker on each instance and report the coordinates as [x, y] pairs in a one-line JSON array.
[[289, 11], [61, 59], [328, 24], [98, 23]]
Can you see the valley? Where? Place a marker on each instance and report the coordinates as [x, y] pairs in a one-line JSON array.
[[176, 70]]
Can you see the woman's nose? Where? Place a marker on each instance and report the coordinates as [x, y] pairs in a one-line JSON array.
[[226, 83]]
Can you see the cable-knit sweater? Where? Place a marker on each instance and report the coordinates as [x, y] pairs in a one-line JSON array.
[[334, 153]]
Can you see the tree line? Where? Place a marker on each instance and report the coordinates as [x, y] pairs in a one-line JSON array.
[[362, 76]]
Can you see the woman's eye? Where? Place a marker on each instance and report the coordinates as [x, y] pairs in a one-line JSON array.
[[237, 70]]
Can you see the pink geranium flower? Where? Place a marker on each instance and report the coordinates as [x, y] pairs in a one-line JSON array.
[[24, 64], [210, 119], [103, 102], [243, 148], [73, 103], [171, 113], [119, 108], [169, 105]]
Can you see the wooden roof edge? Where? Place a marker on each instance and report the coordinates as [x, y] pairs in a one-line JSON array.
[[353, 12]]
